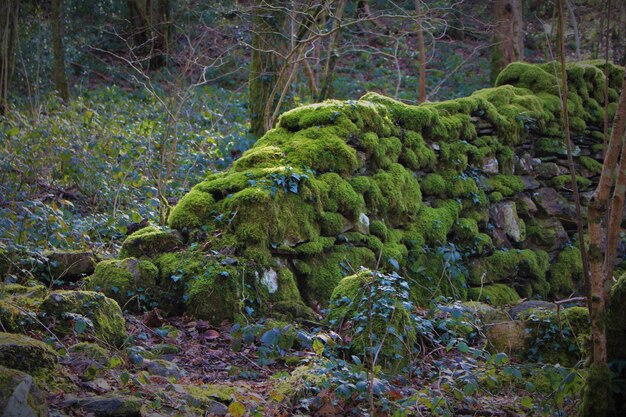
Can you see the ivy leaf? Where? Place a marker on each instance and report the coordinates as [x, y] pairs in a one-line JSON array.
[[394, 263], [318, 347], [236, 409]]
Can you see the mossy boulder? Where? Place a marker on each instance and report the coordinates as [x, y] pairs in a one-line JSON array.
[[131, 282], [387, 324], [26, 354], [20, 396], [19, 306], [150, 241], [557, 336], [494, 294], [88, 311]]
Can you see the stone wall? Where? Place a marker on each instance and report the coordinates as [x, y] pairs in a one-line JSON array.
[[461, 197]]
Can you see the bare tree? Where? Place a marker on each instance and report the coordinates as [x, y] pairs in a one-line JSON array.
[[8, 38], [60, 76]]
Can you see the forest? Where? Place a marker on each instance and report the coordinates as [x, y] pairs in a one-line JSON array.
[[312, 208]]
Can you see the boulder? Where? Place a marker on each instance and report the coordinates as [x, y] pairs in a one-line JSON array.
[[150, 241], [504, 217], [505, 336], [546, 233], [86, 311], [131, 282], [113, 405], [19, 305], [69, 266], [26, 354], [20, 396]]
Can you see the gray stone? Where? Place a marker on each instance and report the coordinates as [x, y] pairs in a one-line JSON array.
[[20, 396], [70, 265], [504, 217], [523, 307], [490, 165], [163, 368], [107, 405], [548, 170], [549, 200], [506, 336]]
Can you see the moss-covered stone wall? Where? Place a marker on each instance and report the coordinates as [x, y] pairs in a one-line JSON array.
[[460, 195]]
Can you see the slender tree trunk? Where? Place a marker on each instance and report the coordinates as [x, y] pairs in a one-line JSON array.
[[8, 38], [509, 35], [422, 52], [267, 41], [60, 76], [332, 54], [619, 35]]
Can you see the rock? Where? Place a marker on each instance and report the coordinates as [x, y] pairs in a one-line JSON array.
[[362, 225], [26, 354], [546, 233], [523, 164], [506, 336], [19, 305], [107, 405], [530, 183], [125, 279], [20, 396], [150, 241], [70, 266], [163, 368], [490, 165], [549, 201], [523, 307], [90, 351], [504, 216], [103, 313], [548, 170], [494, 294], [486, 313], [525, 205]]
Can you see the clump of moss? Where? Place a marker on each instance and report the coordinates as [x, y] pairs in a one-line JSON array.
[[126, 280], [216, 295], [565, 181], [466, 229], [494, 294], [434, 185], [379, 229], [436, 222], [507, 185], [590, 164], [150, 241], [566, 272], [514, 266], [26, 354], [193, 211]]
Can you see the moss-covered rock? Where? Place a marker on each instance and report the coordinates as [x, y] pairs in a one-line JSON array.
[[131, 282], [26, 354], [69, 266], [150, 241], [87, 311], [19, 306], [557, 336], [19, 394], [494, 294], [565, 274], [388, 325]]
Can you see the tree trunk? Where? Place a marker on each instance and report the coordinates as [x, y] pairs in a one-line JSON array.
[[597, 396], [422, 52], [60, 76], [151, 31], [267, 38], [332, 54], [509, 35], [8, 38]]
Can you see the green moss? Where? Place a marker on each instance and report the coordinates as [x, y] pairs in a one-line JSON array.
[[433, 185], [590, 164], [314, 248], [332, 224], [103, 314], [339, 196], [507, 185], [19, 387], [496, 197], [483, 244], [514, 266], [565, 181], [400, 196], [466, 229], [91, 351], [596, 397], [259, 157], [124, 280], [19, 305], [379, 229], [193, 211], [319, 275], [148, 242], [494, 294], [436, 222], [26, 354], [566, 273]]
